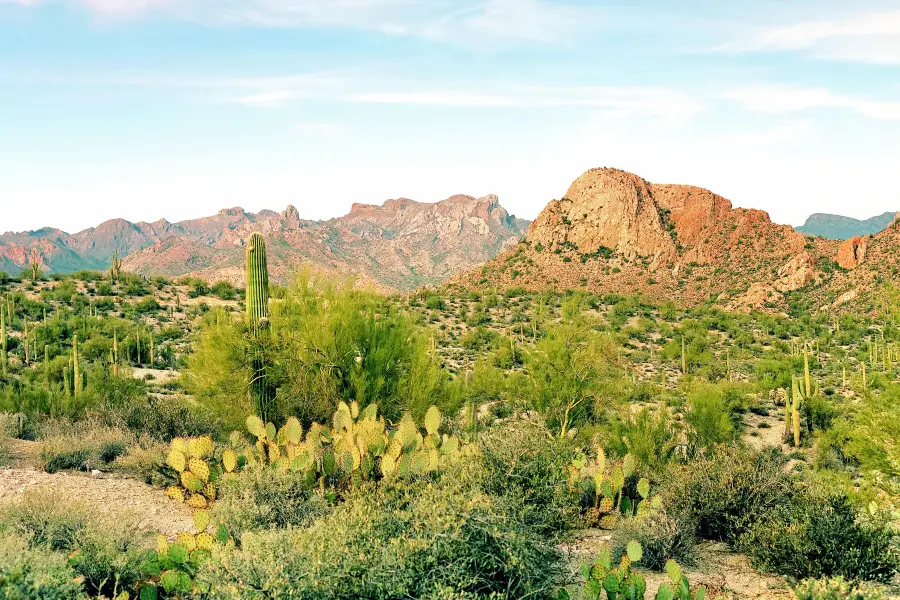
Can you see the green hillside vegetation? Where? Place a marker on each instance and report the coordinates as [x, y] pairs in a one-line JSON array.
[[447, 444]]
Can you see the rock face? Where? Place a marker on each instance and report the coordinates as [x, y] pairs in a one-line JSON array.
[[852, 252], [606, 208], [615, 232], [400, 245], [836, 227]]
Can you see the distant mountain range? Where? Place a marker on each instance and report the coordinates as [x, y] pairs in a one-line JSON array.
[[836, 227], [401, 245]]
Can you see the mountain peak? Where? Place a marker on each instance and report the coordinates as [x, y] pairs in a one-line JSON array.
[[838, 227]]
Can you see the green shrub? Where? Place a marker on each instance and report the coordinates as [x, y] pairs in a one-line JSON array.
[[28, 574], [527, 469], [263, 498], [727, 492], [817, 537], [709, 419], [425, 540], [835, 589], [105, 553], [663, 535]]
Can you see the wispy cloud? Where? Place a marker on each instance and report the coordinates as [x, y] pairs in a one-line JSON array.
[[610, 102], [482, 22], [785, 99], [871, 37]]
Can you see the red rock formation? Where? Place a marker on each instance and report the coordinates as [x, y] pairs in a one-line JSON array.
[[852, 252]]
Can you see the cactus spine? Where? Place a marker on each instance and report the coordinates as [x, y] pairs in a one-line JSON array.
[[47, 364], [257, 274], [27, 348]]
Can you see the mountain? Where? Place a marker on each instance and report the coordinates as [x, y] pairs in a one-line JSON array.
[[836, 227], [402, 244], [615, 232]]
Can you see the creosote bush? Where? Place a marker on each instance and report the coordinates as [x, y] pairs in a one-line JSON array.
[[260, 499], [443, 539]]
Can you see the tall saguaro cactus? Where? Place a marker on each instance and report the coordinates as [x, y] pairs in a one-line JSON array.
[[257, 321], [115, 266], [76, 372], [3, 359]]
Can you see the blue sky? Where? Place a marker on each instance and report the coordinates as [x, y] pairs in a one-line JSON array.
[[146, 109]]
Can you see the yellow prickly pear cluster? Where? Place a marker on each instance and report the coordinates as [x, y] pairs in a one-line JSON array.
[[608, 480], [193, 463], [357, 446]]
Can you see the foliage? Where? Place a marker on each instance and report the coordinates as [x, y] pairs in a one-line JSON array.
[[835, 589], [728, 491], [262, 499], [525, 467], [620, 583], [665, 534], [394, 540], [35, 574], [566, 368], [817, 537]]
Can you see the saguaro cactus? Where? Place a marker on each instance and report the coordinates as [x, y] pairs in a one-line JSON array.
[[76, 370], [115, 266], [3, 358], [35, 264], [257, 321]]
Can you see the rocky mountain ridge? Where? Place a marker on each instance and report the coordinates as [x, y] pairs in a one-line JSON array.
[[402, 244], [613, 231]]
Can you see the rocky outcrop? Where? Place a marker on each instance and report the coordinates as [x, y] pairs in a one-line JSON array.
[[615, 232], [852, 253], [606, 208]]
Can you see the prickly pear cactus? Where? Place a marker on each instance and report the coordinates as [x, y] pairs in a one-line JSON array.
[[609, 484]]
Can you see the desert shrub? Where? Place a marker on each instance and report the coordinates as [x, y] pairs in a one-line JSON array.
[[708, 418], [162, 418], [726, 492], [35, 574], [812, 536], [663, 535], [104, 552], [327, 343], [262, 498], [835, 589], [145, 460], [425, 540], [527, 469], [652, 438], [81, 446]]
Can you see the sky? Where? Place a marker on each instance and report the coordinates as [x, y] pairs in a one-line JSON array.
[[149, 109]]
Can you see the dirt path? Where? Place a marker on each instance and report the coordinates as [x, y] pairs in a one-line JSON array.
[[116, 494]]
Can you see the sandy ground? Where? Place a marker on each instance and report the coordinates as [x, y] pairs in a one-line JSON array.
[[118, 494]]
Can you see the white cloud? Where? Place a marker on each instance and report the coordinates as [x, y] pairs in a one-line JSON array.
[[784, 99], [480, 22], [872, 37]]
